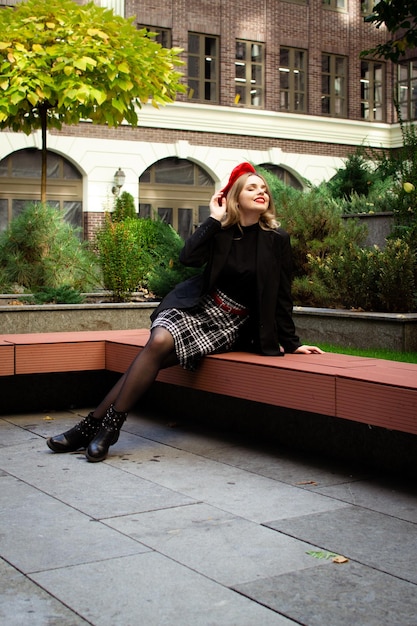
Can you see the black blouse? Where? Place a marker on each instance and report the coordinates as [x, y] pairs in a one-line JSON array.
[[238, 277]]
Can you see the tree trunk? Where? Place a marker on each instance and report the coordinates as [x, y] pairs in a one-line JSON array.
[[43, 115]]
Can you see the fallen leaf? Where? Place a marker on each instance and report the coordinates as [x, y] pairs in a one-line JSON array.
[[48, 418], [307, 482], [340, 559]]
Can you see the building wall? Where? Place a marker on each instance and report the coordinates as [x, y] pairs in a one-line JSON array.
[[219, 136]]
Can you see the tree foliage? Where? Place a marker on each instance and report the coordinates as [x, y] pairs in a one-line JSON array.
[[400, 19], [61, 63]]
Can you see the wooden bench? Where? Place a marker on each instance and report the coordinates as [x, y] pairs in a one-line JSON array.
[[371, 391]]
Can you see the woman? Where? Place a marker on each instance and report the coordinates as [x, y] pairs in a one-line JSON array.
[[242, 298]]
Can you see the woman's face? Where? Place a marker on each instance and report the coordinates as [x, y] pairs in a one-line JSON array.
[[253, 199]]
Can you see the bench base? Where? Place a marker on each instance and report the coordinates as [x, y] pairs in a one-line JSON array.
[[282, 430]]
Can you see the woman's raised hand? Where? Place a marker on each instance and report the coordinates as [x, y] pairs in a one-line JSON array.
[[217, 206]]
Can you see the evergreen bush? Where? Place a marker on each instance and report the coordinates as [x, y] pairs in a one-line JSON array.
[[40, 250], [140, 254], [122, 260], [369, 279], [124, 207]]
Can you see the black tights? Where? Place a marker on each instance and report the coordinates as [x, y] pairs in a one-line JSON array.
[[158, 353]]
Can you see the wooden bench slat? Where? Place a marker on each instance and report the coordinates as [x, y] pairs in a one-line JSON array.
[[60, 357]]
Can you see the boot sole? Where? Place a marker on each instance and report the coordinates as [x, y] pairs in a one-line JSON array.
[[57, 447]]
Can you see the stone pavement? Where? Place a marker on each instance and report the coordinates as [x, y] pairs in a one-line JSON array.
[[186, 527]]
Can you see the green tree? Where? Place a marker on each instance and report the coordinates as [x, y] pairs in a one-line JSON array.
[[40, 250], [400, 19], [124, 207], [61, 63]]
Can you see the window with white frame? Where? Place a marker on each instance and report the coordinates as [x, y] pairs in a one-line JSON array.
[[335, 4], [372, 91], [249, 73], [293, 80], [407, 90], [203, 68], [334, 85]]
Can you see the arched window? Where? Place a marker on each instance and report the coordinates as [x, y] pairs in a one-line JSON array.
[[285, 175], [20, 184], [177, 191]]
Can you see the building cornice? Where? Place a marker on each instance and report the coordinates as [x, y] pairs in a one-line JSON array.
[[261, 123]]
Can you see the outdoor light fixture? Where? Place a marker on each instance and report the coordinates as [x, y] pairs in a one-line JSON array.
[[119, 181]]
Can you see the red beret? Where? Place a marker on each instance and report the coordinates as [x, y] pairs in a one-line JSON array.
[[242, 168]]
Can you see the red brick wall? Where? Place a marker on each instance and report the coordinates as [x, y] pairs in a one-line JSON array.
[[275, 23]]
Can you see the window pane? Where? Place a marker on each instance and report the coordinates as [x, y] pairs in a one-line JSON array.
[[284, 57], [165, 214], [240, 50], [73, 213], [193, 67], [174, 171], [4, 217], [210, 69], [193, 44], [299, 102], [203, 213], [284, 79], [185, 222], [144, 210]]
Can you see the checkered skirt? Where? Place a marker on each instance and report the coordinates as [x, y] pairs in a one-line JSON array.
[[201, 330]]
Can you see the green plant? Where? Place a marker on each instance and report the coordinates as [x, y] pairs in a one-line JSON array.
[[122, 260], [163, 245], [124, 207], [314, 220], [356, 176], [58, 295], [140, 253], [366, 278], [39, 249]]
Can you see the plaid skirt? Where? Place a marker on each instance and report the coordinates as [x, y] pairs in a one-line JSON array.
[[201, 330]]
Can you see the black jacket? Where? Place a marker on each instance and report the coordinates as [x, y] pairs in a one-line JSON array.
[[272, 323]]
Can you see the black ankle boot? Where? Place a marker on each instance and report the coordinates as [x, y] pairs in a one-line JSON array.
[[107, 435], [79, 436]]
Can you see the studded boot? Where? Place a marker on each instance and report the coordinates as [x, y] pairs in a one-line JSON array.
[[107, 435], [79, 436]]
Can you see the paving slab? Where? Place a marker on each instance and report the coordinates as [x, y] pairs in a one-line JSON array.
[[393, 497], [338, 595], [24, 603], [221, 546], [151, 589], [372, 538], [39, 532], [231, 489], [96, 489], [272, 462]]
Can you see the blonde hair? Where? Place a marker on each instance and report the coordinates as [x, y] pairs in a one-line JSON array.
[[267, 220]]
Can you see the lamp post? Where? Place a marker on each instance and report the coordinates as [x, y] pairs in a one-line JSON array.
[[119, 181]]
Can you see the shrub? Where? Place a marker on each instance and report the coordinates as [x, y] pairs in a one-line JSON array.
[[140, 253], [39, 249], [124, 207], [357, 176], [57, 295], [122, 260], [366, 278], [314, 221]]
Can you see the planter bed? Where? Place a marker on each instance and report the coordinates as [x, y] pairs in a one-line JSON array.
[[314, 325]]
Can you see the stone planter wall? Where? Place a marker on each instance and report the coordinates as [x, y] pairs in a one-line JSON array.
[[357, 330], [379, 227], [314, 325]]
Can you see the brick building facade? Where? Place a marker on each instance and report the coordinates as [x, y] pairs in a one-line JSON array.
[[277, 82]]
